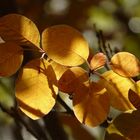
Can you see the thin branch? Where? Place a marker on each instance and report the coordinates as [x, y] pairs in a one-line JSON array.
[[17, 131], [14, 114], [102, 47], [68, 109], [54, 126]]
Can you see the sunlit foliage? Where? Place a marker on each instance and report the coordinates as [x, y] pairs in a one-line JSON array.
[[58, 67]]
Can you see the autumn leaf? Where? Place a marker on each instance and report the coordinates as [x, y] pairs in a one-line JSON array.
[[125, 64], [11, 57], [98, 61], [134, 95], [65, 45], [58, 69], [71, 79], [19, 29], [118, 87], [125, 127], [91, 103], [36, 88]]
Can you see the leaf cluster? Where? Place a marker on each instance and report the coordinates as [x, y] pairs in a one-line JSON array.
[[62, 51]]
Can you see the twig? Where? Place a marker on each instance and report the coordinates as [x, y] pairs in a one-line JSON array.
[[17, 131], [102, 47], [54, 126], [68, 109], [14, 114]]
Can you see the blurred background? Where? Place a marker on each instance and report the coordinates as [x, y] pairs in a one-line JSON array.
[[118, 19]]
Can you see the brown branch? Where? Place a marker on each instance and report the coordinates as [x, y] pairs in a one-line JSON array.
[[103, 48], [68, 109], [15, 115]]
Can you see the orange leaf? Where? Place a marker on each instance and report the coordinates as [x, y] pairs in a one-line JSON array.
[[126, 126], [19, 29], [125, 64], [134, 98], [11, 57], [134, 95], [71, 78], [91, 103], [97, 61]]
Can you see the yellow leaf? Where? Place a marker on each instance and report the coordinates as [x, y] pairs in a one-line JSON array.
[[65, 45], [36, 88], [136, 87], [125, 64], [71, 78], [11, 57], [19, 29], [97, 61], [125, 127], [134, 95], [118, 87], [59, 69], [134, 98], [91, 103]]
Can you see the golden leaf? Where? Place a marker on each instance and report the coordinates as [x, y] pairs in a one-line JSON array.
[[65, 45], [98, 61], [71, 78], [36, 88], [125, 127], [91, 103], [19, 29], [11, 57], [59, 69], [118, 87], [134, 95], [125, 64]]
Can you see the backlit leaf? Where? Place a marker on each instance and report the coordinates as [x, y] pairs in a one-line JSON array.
[[36, 88], [125, 64], [71, 79], [59, 69], [91, 103], [136, 87], [125, 127], [134, 98], [118, 88], [11, 57], [65, 45], [134, 95], [19, 29], [97, 61]]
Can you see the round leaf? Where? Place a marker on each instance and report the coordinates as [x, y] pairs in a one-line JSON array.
[[125, 127], [19, 29], [65, 45], [118, 88], [97, 61], [11, 57], [91, 103], [36, 88], [71, 78], [125, 64]]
